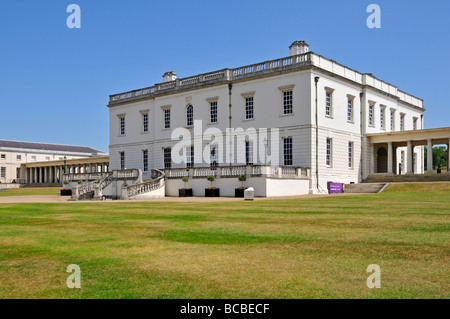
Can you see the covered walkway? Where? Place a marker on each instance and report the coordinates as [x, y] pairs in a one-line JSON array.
[[383, 148], [53, 171]]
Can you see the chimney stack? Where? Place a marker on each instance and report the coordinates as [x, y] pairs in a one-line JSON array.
[[169, 76], [298, 47]]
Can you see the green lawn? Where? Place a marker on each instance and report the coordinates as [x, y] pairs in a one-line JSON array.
[[28, 191], [300, 248]]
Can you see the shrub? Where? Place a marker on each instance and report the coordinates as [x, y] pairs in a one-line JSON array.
[[80, 182], [66, 182]]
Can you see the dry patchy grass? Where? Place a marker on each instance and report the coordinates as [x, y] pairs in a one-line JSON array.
[[299, 248]]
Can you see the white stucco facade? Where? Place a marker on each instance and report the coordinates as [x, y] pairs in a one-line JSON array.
[[330, 131]]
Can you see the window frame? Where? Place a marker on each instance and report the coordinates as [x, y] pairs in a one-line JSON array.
[[167, 163], [329, 152], [288, 154], [383, 117], [392, 119], [371, 114], [402, 122], [166, 117], [122, 160], [190, 156], [145, 160], [189, 115], [213, 158], [246, 107], [329, 112], [122, 124], [350, 108], [351, 154], [145, 121]]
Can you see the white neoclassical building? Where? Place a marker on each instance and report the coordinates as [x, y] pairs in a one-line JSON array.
[[43, 163], [325, 123]]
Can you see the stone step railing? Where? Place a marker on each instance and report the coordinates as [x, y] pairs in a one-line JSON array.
[[236, 171], [97, 186], [85, 176], [144, 187]]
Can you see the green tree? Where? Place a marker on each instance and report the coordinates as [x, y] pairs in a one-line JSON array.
[[439, 157]]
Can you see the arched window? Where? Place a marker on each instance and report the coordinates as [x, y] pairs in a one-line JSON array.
[[189, 115]]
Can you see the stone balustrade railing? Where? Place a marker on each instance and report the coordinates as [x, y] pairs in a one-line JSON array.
[[272, 66], [236, 171], [221, 75], [144, 187], [84, 176]]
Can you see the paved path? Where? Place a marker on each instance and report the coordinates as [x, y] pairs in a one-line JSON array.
[[64, 199]]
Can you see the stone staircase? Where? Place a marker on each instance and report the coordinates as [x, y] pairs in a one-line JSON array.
[[388, 178], [364, 188]]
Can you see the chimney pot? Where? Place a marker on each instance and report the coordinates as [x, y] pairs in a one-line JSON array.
[[298, 47], [169, 76]]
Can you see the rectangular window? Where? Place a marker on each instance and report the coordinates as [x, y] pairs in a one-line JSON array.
[[190, 156], [190, 115], [167, 118], [213, 112], [415, 123], [122, 160], [214, 156], [122, 126], [249, 152], [167, 158], [33, 158], [329, 152], [371, 107], [328, 105], [349, 110], [350, 154], [3, 172], [382, 113], [3, 156], [19, 157], [249, 108], [145, 122], [47, 158], [402, 122], [287, 102], [392, 120], [18, 172], [287, 151], [145, 159]]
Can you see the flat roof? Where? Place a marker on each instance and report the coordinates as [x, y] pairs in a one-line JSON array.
[[49, 147]]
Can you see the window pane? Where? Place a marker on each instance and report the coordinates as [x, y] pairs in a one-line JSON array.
[[249, 108], [287, 102], [287, 151]]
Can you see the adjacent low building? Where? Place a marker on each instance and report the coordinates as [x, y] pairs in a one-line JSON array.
[[28, 162]]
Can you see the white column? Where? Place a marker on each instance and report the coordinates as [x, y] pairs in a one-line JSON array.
[[409, 157], [371, 154], [448, 157], [35, 175], [390, 170], [429, 156], [50, 174]]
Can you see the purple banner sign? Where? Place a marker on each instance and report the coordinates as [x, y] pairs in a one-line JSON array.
[[336, 188]]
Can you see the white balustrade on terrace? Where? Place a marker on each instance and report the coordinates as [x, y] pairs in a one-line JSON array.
[[236, 171]]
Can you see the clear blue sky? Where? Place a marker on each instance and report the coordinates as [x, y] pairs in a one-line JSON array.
[[55, 81]]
